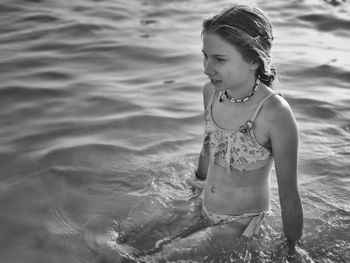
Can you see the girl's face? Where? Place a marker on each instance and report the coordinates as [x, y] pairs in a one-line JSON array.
[[224, 64]]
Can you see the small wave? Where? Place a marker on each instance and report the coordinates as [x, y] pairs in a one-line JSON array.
[[111, 11], [148, 122], [51, 46], [39, 18], [18, 34], [335, 2], [100, 104], [26, 64], [7, 8], [137, 53], [104, 46], [314, 108], [59, 30], [325, 71], [53, 75], [330, 71], [165, 146], [77, 29], [326, 22], [82, 153], [18, 93], [74, 176], [69, 127]]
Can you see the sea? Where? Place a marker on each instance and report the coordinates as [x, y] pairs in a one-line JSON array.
[[101, 120]]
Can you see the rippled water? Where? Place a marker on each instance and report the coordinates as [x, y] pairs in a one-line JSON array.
[[101, 118]]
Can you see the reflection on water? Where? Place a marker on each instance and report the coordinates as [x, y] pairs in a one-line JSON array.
[[101, 124]]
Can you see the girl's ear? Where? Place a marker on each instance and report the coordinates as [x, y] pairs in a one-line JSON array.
[[254, 65]]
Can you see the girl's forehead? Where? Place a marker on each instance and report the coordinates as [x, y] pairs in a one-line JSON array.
[[211, 38], [215, 44]]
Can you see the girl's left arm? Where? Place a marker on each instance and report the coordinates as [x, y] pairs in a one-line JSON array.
[[284, 141]]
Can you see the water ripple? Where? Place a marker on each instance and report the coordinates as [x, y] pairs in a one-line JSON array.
[[39, 18], [99, 98], [61, 224], [25, 93], [315, 108], [326, 22]]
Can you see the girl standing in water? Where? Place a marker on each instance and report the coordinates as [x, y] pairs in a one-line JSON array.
[[247, 127]]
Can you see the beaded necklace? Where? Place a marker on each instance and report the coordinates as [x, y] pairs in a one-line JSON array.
[[232, 99]]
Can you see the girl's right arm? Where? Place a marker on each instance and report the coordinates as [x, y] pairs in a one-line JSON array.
[[203, 164], [203, 161]]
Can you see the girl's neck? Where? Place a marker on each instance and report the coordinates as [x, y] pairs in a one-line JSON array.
[[243, 90]]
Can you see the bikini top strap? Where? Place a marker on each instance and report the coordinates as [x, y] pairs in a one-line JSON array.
[[258, 108]]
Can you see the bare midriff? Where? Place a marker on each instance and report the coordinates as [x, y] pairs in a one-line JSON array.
[[235, 192]]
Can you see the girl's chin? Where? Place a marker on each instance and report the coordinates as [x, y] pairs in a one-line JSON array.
[[220, 88], [217, 84]]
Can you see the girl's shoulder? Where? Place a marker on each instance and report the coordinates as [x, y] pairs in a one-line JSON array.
[[277, 112], [277, 105]]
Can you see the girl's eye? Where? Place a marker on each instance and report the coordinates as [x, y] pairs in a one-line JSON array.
[[220, 60]]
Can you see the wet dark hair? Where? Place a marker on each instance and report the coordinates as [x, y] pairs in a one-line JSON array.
[[249, 30]]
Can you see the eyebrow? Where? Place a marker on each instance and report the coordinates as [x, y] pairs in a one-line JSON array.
[[214, 55]]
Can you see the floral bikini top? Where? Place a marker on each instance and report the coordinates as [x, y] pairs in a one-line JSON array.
[[235, 149]]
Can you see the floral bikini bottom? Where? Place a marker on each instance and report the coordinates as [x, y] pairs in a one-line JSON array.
[[252, 228]]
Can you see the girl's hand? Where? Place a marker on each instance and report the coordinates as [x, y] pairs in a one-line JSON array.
[[195, 182], [291, 254]]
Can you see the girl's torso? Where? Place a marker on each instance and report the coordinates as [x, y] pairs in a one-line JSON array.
[[239, 167]]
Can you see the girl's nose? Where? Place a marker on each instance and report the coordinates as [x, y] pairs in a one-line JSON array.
[[208, 68]]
